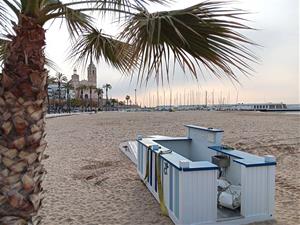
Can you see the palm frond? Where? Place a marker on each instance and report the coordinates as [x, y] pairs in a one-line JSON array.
[[2, 14], [127, 5], [98, 91], [107, 86], [51, 64], [3, 49], [68, 85], [100, 46], [13, 5], [51, 80], [204, 34], [76, 20], [59, 77]]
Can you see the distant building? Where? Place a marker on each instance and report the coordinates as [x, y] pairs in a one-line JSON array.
[[53, 92], [91, 81], [254, 107]]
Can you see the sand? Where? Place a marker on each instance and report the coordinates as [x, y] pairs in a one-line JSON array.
[[90, 182]]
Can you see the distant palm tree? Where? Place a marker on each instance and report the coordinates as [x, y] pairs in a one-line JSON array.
[[59, 79], [114, 102], [127, 99], [107, 87], [50, 80], [68, 86], [99, 92]]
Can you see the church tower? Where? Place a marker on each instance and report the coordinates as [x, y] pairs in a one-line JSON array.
[[92, 74], [75, 79]]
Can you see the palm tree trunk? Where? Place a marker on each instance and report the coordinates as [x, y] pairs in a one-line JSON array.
[[59, 98], [106, 103], [23, 92], [68, 101], [98, 102]]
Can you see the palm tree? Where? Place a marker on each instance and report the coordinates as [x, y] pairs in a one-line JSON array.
[[91, 88], [50, 80], [127, 99], [68, 86], [107, 87], [59, 79], [204, 35], [114, 102], [99, 92]]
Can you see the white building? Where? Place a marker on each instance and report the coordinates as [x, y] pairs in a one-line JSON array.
[[90, 82], [254, 107]]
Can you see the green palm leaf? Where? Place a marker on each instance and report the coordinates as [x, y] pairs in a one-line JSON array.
[[125, 6], [204, 34], [101, 46], [3, 48], [76, 21]]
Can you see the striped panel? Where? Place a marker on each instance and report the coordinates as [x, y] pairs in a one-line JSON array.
[[140, 150], [171, 188], [142, 160], [150, 176], [155, 175], [176, 192]]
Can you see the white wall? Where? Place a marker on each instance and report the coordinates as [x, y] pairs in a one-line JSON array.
[[258, 191], [181, 147], [201, 139], [233, 172], [198, 196]]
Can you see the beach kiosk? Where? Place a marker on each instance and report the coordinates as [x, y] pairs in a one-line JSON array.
[[197, 180]]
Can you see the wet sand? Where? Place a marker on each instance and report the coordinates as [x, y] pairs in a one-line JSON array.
[[90, 182]]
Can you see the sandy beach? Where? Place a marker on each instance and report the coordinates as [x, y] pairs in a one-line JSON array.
[[90, 182]]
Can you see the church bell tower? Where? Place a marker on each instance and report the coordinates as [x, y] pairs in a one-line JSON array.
[[92, 73]]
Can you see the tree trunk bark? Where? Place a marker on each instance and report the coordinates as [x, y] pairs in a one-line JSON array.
[[68, 100], [59, 97], [106, 103], [23, 92]]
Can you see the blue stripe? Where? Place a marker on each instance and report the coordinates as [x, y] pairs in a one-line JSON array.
[[155, 175], [171, 188], [148, 158], [200, 168], [256, 164], [151, 168]]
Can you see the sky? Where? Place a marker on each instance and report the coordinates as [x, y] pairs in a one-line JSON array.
[[276, 76]]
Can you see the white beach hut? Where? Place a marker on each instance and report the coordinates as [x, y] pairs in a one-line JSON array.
[[199, 181]]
